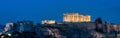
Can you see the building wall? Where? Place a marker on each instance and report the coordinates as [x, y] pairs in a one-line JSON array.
[[75, 17]]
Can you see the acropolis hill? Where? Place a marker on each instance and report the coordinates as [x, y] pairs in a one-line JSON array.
[[74, 25]]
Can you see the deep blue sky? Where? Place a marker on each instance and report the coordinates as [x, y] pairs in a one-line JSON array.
[[36, 10]]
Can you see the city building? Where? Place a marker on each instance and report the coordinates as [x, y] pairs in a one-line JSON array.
[[48, 21], [8, 27], [76, 17]]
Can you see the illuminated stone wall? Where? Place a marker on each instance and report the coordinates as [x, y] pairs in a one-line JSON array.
[[75, 17], [48, 21]]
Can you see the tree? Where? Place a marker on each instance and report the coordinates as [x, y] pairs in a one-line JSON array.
[[106, 27], [26, 34], [16, 34], [98, 20]]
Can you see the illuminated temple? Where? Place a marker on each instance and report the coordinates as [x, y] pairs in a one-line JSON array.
[[76, 17]]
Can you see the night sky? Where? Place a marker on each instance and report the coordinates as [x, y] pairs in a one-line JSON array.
[[37, 10]]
